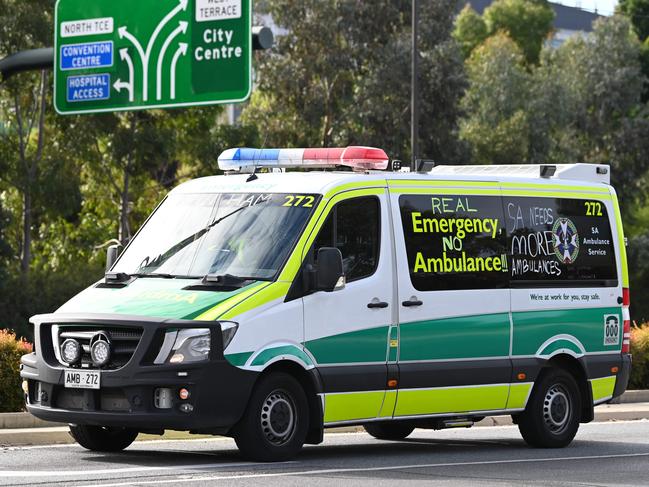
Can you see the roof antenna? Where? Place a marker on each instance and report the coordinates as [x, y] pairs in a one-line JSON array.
[[253, 176]]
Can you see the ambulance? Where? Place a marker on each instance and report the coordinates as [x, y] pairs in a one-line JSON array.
[[314, 288]]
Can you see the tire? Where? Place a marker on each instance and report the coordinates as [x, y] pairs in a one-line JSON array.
[[276, 421], [553, 413], [98, 438], [394, 430]]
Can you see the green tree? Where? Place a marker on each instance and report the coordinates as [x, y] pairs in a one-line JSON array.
[[337, 77], [497, 122], [582, 103], [601, 79], [638, 12], [470, 30], [23, 107], [527, 22]]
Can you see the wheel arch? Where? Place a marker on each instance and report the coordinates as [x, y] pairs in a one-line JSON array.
[[576, 368], [312, 385]]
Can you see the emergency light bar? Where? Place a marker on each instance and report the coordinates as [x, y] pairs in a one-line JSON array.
[[355, 157]]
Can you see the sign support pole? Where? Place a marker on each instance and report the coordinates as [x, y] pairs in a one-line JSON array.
[[38, 59]]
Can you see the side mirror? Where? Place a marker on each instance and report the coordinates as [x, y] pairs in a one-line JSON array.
[[330, 275], [111, 256]]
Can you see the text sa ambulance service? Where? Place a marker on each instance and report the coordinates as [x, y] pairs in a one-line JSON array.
[[269, 304]]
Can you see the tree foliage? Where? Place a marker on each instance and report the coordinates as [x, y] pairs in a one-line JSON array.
[[581, 104], [638, 12], [497, 128], [470, 30], [341, 76], [526, 22]]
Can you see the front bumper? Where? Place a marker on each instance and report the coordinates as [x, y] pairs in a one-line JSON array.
[[219, 392]]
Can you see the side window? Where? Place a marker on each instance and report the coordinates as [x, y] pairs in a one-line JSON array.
[[559, 240], [353, 228], [455, 241]]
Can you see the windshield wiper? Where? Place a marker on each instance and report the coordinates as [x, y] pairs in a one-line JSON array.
[[122, 277], [224, 282], [155, 274]]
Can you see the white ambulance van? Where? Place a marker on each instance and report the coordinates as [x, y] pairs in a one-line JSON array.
[[269, 304]]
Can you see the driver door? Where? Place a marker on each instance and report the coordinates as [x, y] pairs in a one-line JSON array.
[[347, 331]]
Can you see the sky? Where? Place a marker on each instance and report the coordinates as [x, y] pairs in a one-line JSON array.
[[604, 7]]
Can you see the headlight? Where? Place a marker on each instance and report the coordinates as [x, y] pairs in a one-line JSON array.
[[192, 344], [185, 346]]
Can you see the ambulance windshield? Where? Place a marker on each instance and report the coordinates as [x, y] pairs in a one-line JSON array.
[[244, 235]]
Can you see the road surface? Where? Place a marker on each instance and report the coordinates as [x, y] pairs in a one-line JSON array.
[[602, 454]]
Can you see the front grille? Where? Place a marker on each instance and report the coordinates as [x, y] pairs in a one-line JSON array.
[[124, 342]]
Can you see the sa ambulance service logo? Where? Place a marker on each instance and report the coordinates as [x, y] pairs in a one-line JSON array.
[[566, 240], [611, 330]]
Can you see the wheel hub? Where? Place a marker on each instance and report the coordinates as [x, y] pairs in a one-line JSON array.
[[557, 409], [278, 418]]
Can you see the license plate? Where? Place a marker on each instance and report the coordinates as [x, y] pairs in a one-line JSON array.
[[82, 379]]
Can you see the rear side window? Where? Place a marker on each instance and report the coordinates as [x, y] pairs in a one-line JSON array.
[[559, 241], [353, 228], [455, 241]]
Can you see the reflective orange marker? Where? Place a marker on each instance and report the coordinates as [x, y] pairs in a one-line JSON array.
[[615, 370], [521, 376], [392, 383]]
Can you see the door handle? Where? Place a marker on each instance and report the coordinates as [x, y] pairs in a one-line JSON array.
[[412, 302], [377, 305]]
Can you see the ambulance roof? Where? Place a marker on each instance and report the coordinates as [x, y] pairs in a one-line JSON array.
[[324, 182]]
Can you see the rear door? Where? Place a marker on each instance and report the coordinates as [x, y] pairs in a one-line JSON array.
[[454, 301], [566, 285]]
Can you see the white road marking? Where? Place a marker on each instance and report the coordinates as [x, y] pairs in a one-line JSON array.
[[136, 443], [327, 435], [365, 469], [111, 471]]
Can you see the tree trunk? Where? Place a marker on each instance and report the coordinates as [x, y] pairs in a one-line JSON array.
[[26, 254], [124, 227], [31, 171]]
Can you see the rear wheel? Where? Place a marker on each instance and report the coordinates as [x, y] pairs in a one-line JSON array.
[[99, 438], [551, 418], [276, 420], [389, 430]]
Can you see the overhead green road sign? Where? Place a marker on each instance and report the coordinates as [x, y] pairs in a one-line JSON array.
[[113, 55]]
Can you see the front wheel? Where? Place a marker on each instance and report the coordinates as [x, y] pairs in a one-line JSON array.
[[276, 420], [99, 438], [551, 418]]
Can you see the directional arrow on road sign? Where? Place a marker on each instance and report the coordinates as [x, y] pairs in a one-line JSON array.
[[182, 51], [181, 29]]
